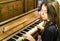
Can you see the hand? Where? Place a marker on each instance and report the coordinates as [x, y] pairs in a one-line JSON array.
[[29, 37], [40, 27]]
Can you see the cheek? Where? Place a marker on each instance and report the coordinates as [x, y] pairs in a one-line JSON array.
[[46, 16], [42, 15]]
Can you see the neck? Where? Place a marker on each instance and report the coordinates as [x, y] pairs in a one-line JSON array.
[[48, 20]]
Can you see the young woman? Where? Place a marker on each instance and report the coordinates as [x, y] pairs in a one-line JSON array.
[[50, 30]]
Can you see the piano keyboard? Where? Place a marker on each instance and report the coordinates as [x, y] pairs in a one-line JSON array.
[[30, 30]]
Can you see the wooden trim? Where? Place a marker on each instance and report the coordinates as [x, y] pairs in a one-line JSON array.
[[14, 18]]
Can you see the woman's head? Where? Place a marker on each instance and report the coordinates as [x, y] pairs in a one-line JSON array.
[[48, 12], [43, 12]]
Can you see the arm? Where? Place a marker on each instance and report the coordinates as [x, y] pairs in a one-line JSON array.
[[48, 35]]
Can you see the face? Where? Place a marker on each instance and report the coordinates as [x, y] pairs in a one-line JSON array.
[[43, 12]]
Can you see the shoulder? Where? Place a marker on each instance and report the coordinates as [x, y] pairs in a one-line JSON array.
[[52, 28]]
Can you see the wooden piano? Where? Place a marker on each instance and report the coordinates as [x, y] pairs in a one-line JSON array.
[[11, 31], [17, 17]]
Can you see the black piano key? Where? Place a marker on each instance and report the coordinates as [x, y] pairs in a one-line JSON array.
[[26, 30], [25, 40], [19, 34], [32, 26], [37, 23], [22, 32], [15, 37], [29, 28], [11, 39]]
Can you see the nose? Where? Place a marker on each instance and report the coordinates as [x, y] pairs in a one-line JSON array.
[[42, 13]]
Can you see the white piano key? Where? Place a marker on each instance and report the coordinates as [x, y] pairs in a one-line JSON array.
[[17, 36], [14, 38], [20, 39], [28, 29], [32, 30], [24, 31], [41, 24], [21, 33]]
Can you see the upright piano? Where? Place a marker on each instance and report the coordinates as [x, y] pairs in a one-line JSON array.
[[13, 30]]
